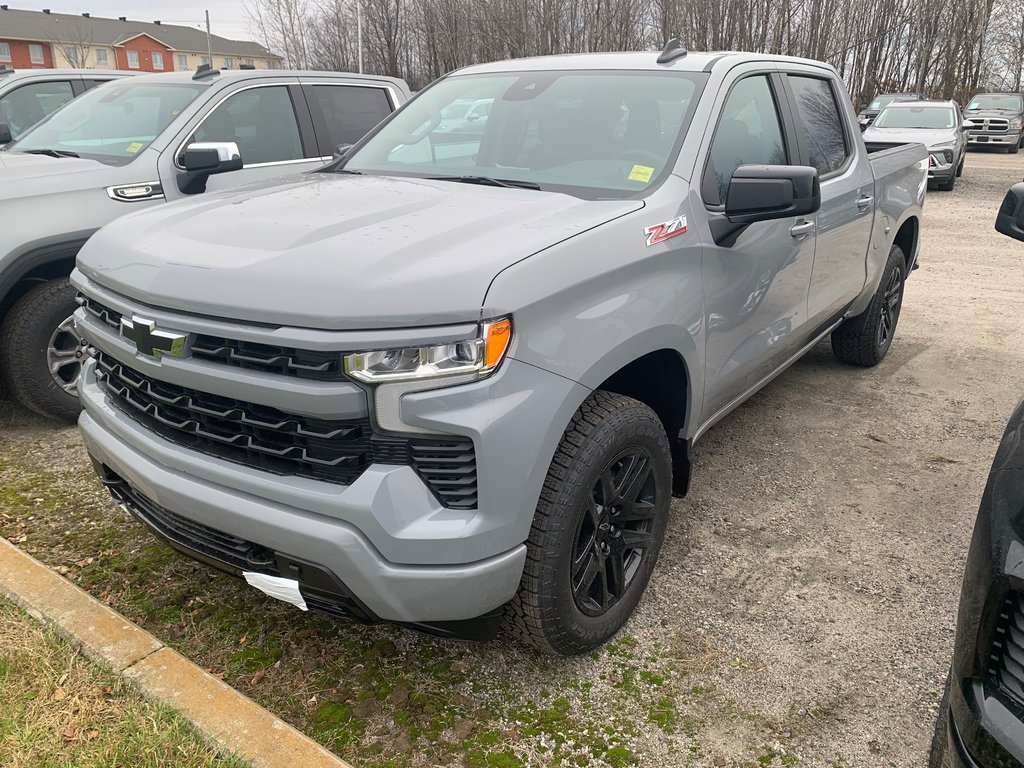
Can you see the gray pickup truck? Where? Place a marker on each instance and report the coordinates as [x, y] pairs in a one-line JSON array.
[[997, 120], [133, 144], [453, 380]]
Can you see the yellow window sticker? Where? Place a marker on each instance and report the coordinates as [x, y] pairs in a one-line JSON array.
[[131, 149], [641, 173]]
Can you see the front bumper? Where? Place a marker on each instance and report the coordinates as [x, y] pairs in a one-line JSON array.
[[996, 139], [385, 539]]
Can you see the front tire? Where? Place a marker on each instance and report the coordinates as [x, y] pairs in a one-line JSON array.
[[1013, 149], [597, 529], [865, 339], [40, 354], [947, 186]]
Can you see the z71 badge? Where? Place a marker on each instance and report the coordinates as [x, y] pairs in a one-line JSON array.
[[659, 233]]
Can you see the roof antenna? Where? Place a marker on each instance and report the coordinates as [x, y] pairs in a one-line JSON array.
[[204, 71], [673, 50]]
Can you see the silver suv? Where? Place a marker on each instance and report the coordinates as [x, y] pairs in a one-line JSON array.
[[31, 95], [134, 144], [936, 124]]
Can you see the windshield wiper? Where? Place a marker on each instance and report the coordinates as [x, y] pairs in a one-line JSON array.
[[488, 181], [346, 170], [51, 152]]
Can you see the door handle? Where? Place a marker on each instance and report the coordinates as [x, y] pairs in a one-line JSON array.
[[802, 228], [864, 201]]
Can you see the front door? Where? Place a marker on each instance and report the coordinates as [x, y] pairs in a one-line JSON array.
[[755, 289]]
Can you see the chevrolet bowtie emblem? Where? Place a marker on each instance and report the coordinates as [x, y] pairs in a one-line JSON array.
[[150, 341]]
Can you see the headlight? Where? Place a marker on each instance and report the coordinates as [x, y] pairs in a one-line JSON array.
[[944, 144], [1015, 123], [468, 359]]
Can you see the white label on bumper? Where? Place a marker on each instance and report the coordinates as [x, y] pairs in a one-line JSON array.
[[277, 587]]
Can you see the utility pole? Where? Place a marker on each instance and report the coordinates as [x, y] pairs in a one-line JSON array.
[[359, 33], [209, 43]]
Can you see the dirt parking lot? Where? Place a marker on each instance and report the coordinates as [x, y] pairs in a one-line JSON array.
[[801, 615]]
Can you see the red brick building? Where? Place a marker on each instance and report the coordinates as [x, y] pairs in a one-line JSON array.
[[41, 39]]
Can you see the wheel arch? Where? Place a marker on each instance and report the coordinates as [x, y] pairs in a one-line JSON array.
[[37, 263], [908, 239], [657, 368]]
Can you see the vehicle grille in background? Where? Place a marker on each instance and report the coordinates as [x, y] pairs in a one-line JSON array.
[[265, 438], [284, 361], [223, 547], [990, 125], [1006, 654]]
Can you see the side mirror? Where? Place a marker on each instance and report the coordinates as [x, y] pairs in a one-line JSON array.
[[204, 159], [472, 117], [762, 193], [1010, 219], [340, 151], [967, 125], [5, 134]]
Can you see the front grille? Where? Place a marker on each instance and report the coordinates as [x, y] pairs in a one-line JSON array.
[[222, 547], [1006, 653], [990, 125], [265, 438], [254, 435], [268, 358]]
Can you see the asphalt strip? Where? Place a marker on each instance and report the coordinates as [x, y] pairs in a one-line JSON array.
[[216, 709]]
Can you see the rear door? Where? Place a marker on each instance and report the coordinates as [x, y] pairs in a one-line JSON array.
[[270, 123], [843, 224]]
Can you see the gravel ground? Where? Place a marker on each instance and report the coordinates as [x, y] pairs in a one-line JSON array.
[[802, 612]]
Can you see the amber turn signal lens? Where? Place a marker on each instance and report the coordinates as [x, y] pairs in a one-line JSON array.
[[497, 336]]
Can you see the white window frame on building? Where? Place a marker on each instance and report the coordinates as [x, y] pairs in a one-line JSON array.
[[105, 61], [182, 62], [158, 60], [133, 59], [204, 59], [249, 63], [33, 49], [227, 63], [5, 51]]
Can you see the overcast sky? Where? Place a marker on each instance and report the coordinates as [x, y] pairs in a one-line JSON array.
[[227, 17]]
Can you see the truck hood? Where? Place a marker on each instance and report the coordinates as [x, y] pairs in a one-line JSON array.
[[981, 114], [336, 251], [925, 136]]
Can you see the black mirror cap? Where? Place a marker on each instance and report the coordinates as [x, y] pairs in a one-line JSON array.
[[1010, 219], [340, 151], [207, 160], [765, 192], [5, 134]]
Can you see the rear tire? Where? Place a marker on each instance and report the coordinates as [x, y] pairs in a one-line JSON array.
[[597, 529], [865, 339], [36, 338], [960, 168], [938, 756]]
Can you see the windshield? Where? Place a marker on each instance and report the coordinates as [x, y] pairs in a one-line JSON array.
[[927, 118], [111, 123], [1009, 102], [605, 134], [882, 101]]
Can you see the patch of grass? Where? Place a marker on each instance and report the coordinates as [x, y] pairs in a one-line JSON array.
[[61, 711]]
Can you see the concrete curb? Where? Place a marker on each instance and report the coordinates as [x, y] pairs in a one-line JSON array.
[[219, 711]]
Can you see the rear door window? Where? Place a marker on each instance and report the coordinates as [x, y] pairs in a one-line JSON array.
[[350, 111], [25, 106], [822, 123]]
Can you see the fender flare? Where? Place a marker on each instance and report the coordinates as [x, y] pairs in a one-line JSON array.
[[38, 254]]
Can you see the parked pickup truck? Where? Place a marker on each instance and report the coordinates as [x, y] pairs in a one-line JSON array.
[[28, 96], [997, 120], [454, 383], [133, 144]]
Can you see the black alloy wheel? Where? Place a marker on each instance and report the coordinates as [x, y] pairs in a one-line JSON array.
[[614, 532]]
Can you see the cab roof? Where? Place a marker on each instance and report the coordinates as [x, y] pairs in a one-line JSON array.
[[693, 61], [237, 75]]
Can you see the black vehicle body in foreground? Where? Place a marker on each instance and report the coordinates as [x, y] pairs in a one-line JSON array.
[[981, 719]]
